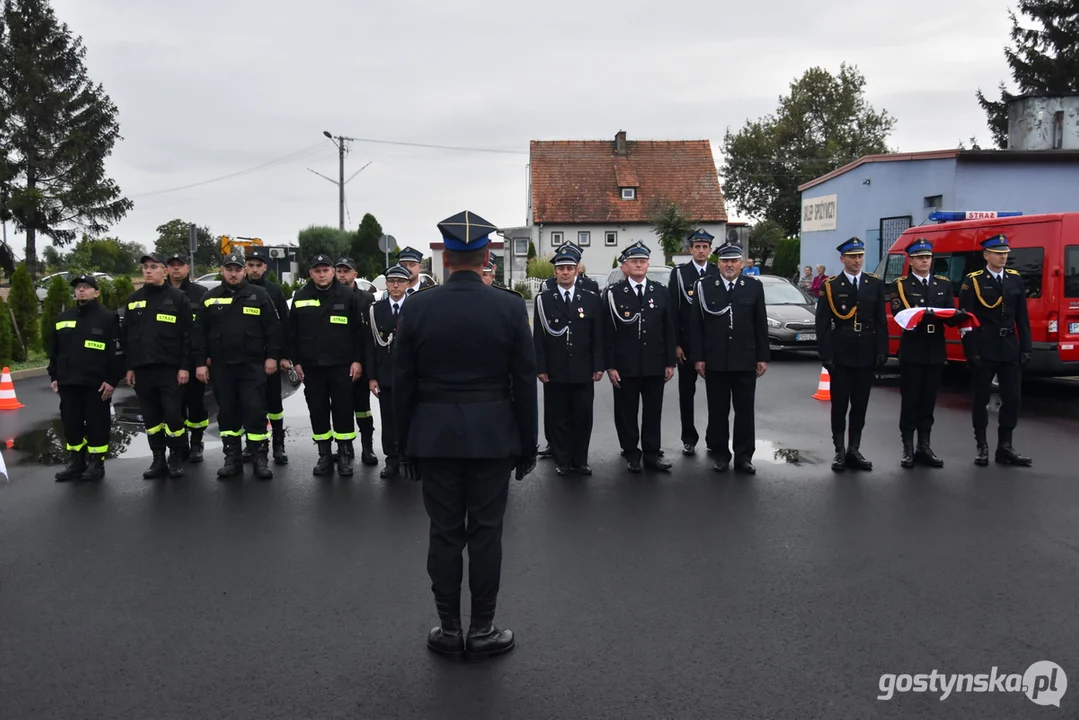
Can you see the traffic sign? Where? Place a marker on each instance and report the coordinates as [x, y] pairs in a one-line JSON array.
[[386, 243]]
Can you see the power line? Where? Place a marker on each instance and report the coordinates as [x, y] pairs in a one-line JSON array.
[[440, 147]]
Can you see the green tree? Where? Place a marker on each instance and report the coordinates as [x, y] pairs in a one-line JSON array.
[[321, 240], [531, 250], [788, 254], [539, 267], [58, 298], [1044, 59], [7, 335], [54, 260], [59, 127], [175, 237], [122, 289], [824, 122], [107, 255], [108, 297], [673, 227], [764, 238], [370, 261], [24, 305]]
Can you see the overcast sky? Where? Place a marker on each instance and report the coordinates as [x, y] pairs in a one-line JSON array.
[[210, 87]]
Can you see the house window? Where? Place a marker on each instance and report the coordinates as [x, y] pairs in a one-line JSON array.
[[556, 239], [584, 238], [610, 238], [629, 193], [934, 202], [520, 247]]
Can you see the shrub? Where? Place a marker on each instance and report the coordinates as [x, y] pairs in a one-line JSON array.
[[523, 289], [7, 335], [58, 299], [24, 304], [541, 268]]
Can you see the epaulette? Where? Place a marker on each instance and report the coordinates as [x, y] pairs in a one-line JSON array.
[[509, 290], [422, 289], [975, 273], [872, 275], [904, 277], [945, 278], [1009, 270]]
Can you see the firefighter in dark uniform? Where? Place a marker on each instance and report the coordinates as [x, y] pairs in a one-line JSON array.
[[328, 347], [639, 354], [616, 392], [1000, 346], [922, 351], [566, 327], [255, 267], [410, 258], [465, 401], [361, 399], [156, 339], [681, 289], [237, 346], [85, 365], [488, 274], [196, 419], [382, 318], [582, 281], [729, 348], [852, 341]]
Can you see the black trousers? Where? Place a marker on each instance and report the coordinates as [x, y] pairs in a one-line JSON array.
[[1010, 376], [465, 499], [643, 395], [274, 408], [723, 389], [568, 412], [918, 386], [161, 401], [241, 400], [361, 406], [389, 425], [194, 407], [328, 391], [86, 418], [687, 389], [619, 420], [850, 389], [548, 433]]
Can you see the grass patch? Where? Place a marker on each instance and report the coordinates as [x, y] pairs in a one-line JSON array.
[[38, 359]]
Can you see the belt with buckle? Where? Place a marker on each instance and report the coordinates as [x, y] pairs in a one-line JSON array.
[[462, 396], [1005, 332]]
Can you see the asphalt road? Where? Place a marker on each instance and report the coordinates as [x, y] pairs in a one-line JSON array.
[[688, 595]]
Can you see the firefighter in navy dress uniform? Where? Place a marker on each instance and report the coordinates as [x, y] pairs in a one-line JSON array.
[[681, 289], [196, 419], [616, 393], [411, 259], [85, 366], [639, 342], [566, 328], [729, 348], [852, 341], [582, 281], [465, 402], [1000, 346], [922, 352], [382, 319]]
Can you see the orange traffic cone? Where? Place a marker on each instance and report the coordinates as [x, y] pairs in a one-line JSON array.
[[824, 387], [8, 401]]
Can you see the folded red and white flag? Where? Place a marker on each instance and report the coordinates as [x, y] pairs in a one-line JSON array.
[[908, 319]]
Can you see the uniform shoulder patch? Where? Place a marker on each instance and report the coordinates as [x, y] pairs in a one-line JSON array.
[[945, 278], [975, 273], [872, 275], [1011, 272], [511, 291]]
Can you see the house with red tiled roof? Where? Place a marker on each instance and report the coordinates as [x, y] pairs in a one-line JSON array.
[[601, 195]]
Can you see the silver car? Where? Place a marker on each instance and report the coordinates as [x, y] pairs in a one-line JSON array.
[[791, 315]]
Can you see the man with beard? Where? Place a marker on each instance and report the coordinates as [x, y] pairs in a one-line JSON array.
[[196, 419]]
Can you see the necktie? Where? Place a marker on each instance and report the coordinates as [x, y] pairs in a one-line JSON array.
[[409, 292], [854, 282], [702, 272], [396, 308], [640, 292], [925, 282], [567, 297]]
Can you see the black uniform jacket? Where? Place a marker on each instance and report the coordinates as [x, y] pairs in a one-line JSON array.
[[582, 282], [924, 344], [156, 329], [277, 297], [326, 326], [729, 330], [465, 373], [381, 330], [1001, 308], [194, 292], [852, 331], [236, 326], [681, 288], [85, 348], [569, 340], [639, 336]]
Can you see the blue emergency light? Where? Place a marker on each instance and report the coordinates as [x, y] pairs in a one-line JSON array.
[[956, 215]]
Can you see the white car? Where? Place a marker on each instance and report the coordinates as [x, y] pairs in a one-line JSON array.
[[42, 288], [361, 283], [209, 280]]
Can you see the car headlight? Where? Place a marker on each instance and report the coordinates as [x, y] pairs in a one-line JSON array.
[[774, 323]]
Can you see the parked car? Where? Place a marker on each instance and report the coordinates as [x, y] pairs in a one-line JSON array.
[[209, 280], [661, 275], [379, 284], [792, 323], [42, 287], [362, 284]]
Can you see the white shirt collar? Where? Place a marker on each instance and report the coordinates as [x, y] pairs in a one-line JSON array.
[[997, 274], [920, 277], [572, 290], [699, 268], [633, 284], [852, 278]]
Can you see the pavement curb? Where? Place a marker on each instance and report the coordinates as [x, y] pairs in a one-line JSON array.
[[29, 373]]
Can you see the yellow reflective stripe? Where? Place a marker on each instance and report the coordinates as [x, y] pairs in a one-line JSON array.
[[252, 311], [345, 436], [175, 433], [257, 437], [162, 317], [324, 436], [194, 317], [363, 414], [76, 448], [275, 416], [231, 433], [155, 430], [94, 345], [136, 304], [217, 301], [338, 320], [197, 425], [307, 303], [98, 449], [65, 324]]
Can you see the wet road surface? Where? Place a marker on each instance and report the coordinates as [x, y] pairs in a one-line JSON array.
[[688, 595]]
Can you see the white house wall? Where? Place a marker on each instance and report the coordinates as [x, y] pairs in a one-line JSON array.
[[598, 257]]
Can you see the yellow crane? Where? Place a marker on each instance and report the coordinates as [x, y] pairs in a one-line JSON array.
[[228, 243]]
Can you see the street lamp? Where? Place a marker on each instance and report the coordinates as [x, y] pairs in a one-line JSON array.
[[339, 141]]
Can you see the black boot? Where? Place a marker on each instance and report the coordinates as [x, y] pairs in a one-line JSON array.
[[839, 462], [159, 468], [95, 469], [324, 466], [925, 454], [176, 457], [982, 458], [855, 461], [75, 466], [261, 462], [1006, 454], [184, 447], [197, 448], [345, 453], [279, 456], [907, 460], [367, 453], [248, 454], [447, 638], [392, 468], [485, 640], [233, 461]]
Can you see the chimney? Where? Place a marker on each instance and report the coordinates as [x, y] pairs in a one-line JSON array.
[[620, 143]]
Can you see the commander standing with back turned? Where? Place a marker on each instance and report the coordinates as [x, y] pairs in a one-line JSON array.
[[465, 401]]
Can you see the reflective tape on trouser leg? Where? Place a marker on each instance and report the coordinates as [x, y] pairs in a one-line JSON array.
[[322, 436], [275, 416], [345, 435], [364, 414], [198, 424], [76, 448], [97, 449], [179, 432], [155, 429]]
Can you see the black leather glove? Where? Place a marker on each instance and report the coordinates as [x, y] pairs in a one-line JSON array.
[[525, 465], [882, 360], [409, 469], [1024, 358]]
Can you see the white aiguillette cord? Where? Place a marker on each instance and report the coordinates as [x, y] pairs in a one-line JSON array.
[[705, 309], [543, 320], [374, 329]]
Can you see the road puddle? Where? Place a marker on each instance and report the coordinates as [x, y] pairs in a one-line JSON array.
[[776, 454]]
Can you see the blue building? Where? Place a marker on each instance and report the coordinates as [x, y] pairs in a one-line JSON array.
[[877, 197]]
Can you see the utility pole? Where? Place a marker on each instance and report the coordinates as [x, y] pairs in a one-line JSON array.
[[340, 141]]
